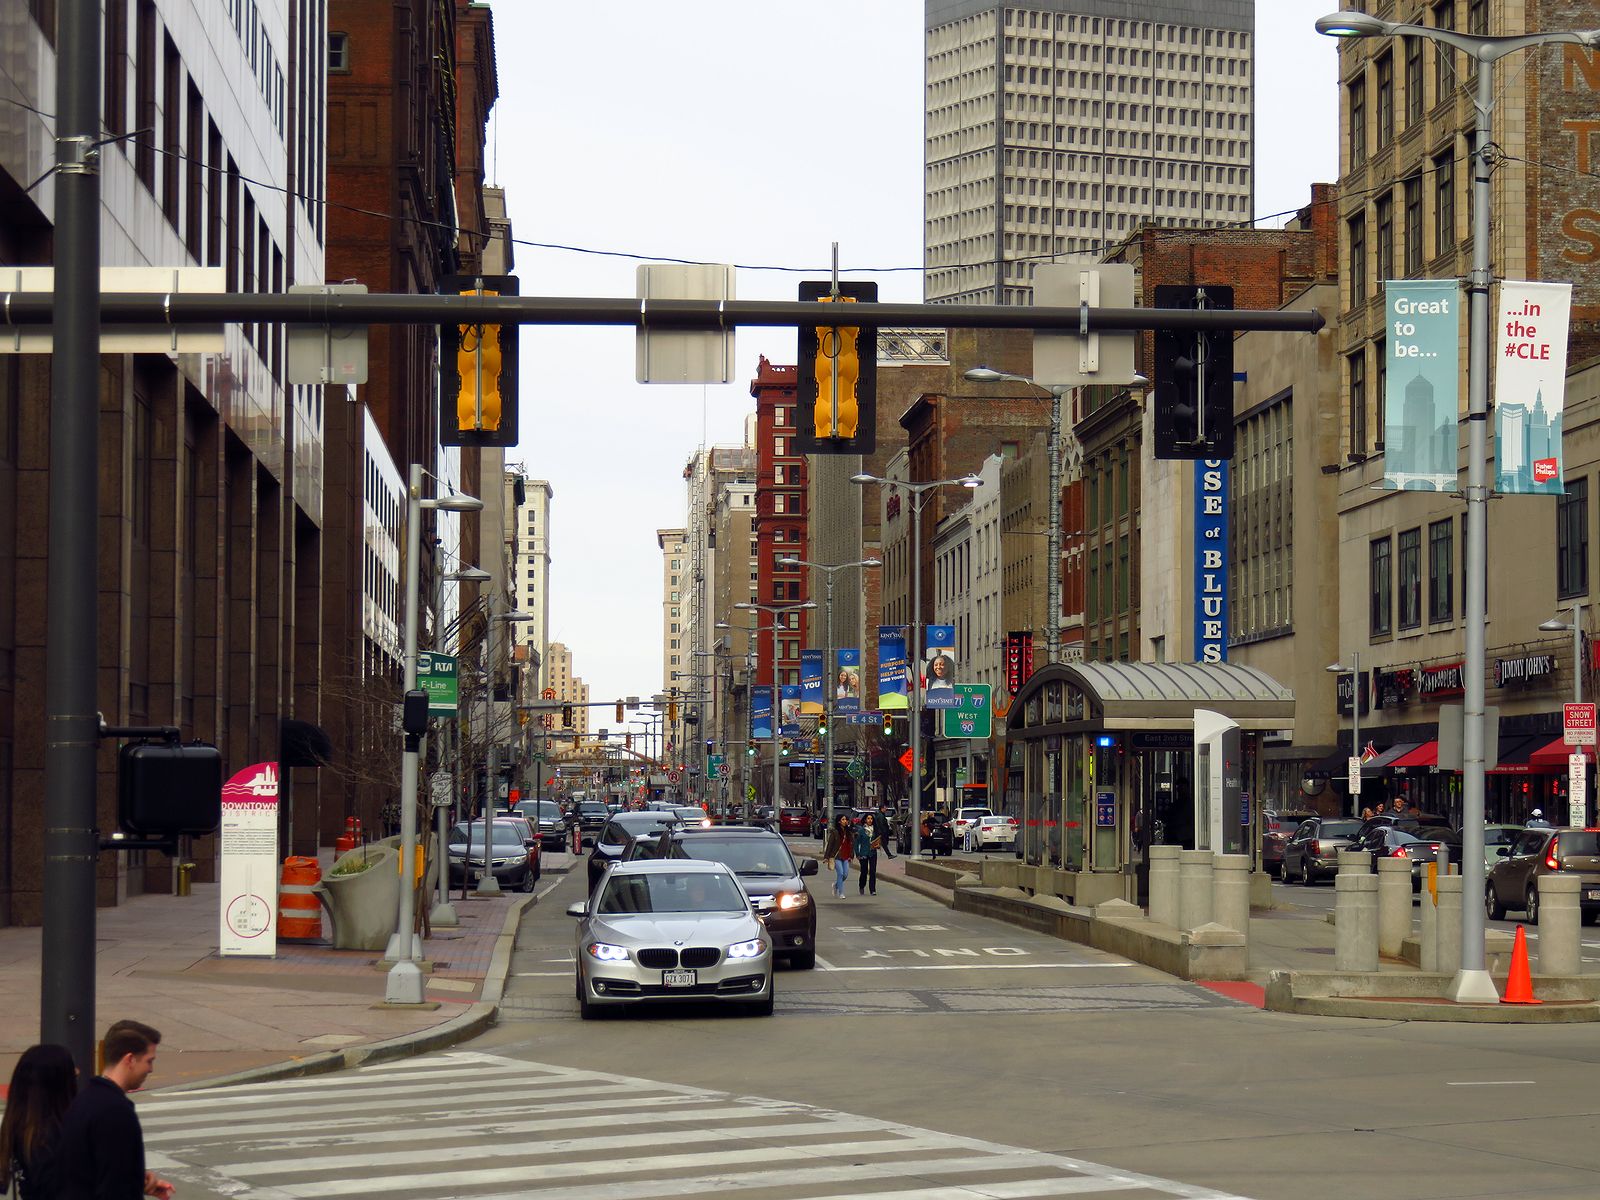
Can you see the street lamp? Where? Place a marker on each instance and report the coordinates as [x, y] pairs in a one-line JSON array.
[[1575, 627], [404, 984], [1354, 671], [777, 689], [1052, 629], [919, 493], [1472, 982], [828, 571], [749, 683]]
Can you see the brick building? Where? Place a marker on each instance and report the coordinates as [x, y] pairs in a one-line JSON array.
[[780, 522]]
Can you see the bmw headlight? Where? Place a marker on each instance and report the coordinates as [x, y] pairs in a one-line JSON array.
[[606, 952], [793, 900], [751, 949]]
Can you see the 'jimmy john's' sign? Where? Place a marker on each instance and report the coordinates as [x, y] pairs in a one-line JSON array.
[[1529, 668]]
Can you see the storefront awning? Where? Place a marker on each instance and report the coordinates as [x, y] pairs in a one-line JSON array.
[[1424, 756], [1514, 757], [1371, 770], [1552, 756], [1149, 696]]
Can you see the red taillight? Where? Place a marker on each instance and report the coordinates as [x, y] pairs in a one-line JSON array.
[[1316, 847], [1551, 862], [1398, 852]]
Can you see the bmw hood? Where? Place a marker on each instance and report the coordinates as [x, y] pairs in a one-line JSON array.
[[666, 929]]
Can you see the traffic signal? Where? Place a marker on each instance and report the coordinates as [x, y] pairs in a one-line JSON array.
[[619, 712], [627, 741], [837, 376], [752, 750], [1194, 379], [783, 748], [672, 712], [478, 370], [566, 716]]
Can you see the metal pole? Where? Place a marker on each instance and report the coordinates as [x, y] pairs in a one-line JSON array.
[[443, 913], [71, 725], [1472, 982], [914, 670], [1577, 651], [1355, 718], [829, 682], [404, 985], [777, 718], [1052, 590], [488, 885]]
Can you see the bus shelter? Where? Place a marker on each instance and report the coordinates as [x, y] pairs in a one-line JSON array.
[[1106, 756]]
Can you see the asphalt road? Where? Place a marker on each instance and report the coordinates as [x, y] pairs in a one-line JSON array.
[[931, 1054]]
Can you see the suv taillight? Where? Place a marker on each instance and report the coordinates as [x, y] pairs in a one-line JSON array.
[[1551, 862], [1316, 847]]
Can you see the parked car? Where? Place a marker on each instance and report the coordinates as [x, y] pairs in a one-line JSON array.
[[766, 871], [794, 820], [612, 841], [1312, 851], [937, 838], [1387, 841], [992, 831], [1513, 881], [667, 930], [513, 855], [1276, 828], [965, 818], [545, 816], [1494, 836]]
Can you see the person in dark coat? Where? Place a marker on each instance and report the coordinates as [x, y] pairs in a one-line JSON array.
[[869, 840], [43, 1085], [102, 1145]]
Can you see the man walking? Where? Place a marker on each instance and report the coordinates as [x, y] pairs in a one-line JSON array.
[[102, 1145]]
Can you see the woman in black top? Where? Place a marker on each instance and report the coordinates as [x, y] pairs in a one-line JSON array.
[[42, 1087]]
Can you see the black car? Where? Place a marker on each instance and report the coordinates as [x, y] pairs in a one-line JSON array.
[[591, 817], [938, 838], [1389, 841], [613, 839], [767, 871]]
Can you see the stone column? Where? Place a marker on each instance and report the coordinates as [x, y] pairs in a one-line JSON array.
[[1449, 929], [1394, 904], [1356, 914], [1164, 884], [1230, 894], [1560, 951], [1194, 888]]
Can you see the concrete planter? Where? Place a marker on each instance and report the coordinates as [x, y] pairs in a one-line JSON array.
[[362, 907]]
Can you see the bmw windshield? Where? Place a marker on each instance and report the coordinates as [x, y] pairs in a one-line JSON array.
[[690, 892]]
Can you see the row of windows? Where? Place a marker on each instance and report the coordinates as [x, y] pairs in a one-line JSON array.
[[1409, 233], [1182, 35], [1382, 79], [1406, 546]]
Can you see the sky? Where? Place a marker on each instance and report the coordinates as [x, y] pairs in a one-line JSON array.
[[747, 132]]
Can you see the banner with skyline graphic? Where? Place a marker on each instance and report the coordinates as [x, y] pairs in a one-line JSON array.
[[1422, 390], [1530, 352]]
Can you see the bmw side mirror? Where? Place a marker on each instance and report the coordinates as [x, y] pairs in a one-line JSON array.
[[808, 866], [580, 909]]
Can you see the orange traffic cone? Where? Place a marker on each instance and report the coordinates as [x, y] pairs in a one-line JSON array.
[[1519, 985]]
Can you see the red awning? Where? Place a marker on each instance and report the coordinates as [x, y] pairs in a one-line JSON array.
[[1425, 755], [1553, 756]]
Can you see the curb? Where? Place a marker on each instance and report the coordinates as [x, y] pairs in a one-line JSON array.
[[477, 1019]]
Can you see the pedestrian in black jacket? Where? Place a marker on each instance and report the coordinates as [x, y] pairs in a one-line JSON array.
[[101, 1152], [42, 1088]]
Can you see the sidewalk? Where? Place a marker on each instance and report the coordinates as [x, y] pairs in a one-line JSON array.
[[310, 1008]]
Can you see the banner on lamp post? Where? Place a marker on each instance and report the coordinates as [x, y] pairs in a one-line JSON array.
[[761, 714], [811, 682], [789, 710], [891, 667], [1422, 396], [847, 682], [1530, 386], [939, 667]]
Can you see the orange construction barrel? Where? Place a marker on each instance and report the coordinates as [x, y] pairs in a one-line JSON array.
[[299, 913]]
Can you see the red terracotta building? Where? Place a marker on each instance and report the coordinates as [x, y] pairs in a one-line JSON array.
[[780, 524]]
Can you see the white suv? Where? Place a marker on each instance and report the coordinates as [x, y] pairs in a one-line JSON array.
[[967, 819]]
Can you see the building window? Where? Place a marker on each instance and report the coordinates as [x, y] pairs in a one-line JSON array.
[[1385, 215], [1412, 189], [1358, 259], [1414, 105], [1358, 122], [339, 52], [1358, 401], [1444, 68], [1385, 73], [1444, 202], [1410, 548], [1572, 540], [1381, 587], [1441, 573]]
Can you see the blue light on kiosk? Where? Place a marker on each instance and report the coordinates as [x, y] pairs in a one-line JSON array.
[[1105, 740]]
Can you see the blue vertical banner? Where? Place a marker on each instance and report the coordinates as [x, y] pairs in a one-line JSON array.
[[1422, 395], [789, 711], [847, 682], [1211, 560], [811, 682], [891, 667], [761, 714], [939, 667]]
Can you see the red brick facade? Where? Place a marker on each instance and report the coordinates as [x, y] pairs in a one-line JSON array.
[[780, 524]]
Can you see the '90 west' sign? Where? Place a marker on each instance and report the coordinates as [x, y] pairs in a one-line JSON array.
[[1211, 560]]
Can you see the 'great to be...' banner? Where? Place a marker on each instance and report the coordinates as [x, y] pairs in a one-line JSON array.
[[1422, 396], [1530, 378]]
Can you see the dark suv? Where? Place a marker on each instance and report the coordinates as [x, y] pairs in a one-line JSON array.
[[1513, 882], [766, 869], [591, 817]]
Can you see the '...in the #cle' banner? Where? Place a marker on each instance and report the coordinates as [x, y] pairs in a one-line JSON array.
[[1530, 386]]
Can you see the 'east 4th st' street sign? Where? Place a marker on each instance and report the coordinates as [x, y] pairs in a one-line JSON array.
[[436, 675], [971, 718]]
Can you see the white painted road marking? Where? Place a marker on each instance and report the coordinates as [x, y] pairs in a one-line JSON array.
[[984, 966]]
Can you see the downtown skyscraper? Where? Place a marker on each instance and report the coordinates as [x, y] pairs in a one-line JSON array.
[[1057, 127]]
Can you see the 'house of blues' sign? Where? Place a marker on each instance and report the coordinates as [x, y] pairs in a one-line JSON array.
[[1211, 560]]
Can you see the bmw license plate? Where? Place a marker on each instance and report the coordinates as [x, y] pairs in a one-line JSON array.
[[677, 979], [1591, 893]]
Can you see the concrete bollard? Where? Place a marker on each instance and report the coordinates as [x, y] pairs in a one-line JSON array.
[[1194, 888], [1164, 884], [1394, 905], [1230, 893], [1560, 951], [1428, 939], [1357, 861], [1449, 924], [1355, 946]]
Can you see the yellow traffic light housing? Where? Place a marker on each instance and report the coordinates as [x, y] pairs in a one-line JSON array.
[[619, 712], [478, 369], [838, 370], [837, 375]]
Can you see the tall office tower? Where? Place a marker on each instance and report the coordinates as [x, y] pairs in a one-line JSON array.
[[674, 638], [1055, 127], [527, 534]]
